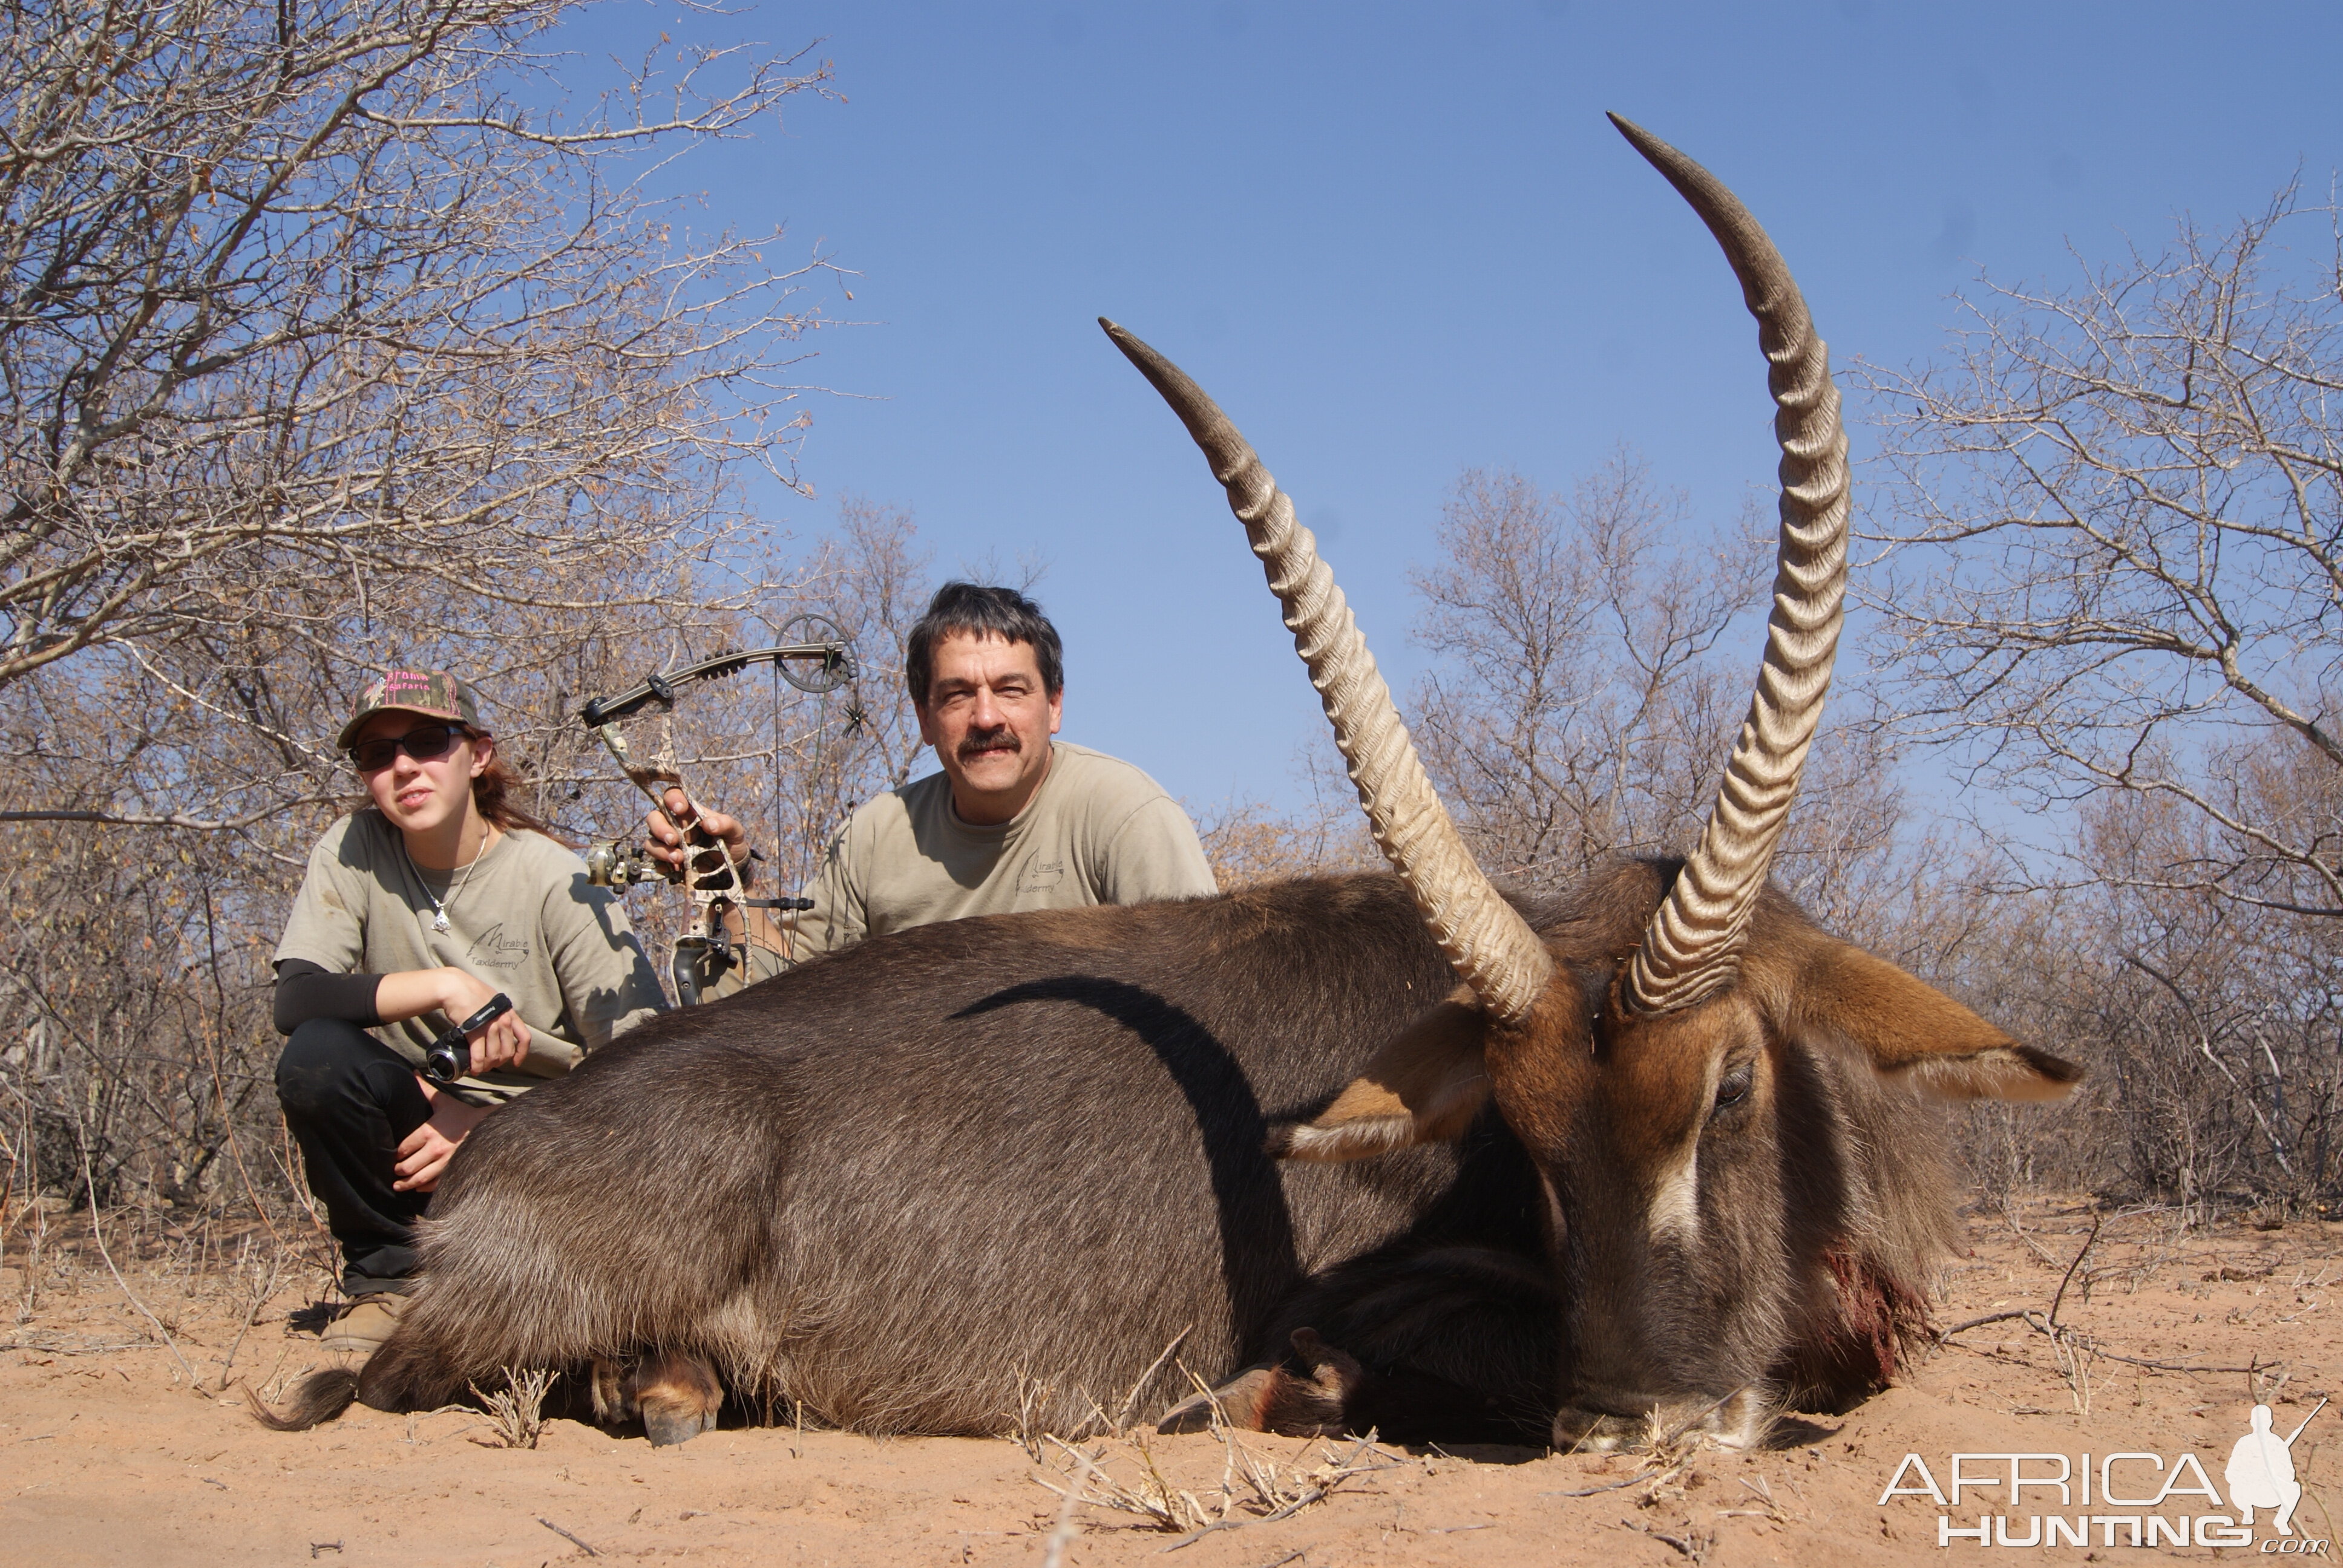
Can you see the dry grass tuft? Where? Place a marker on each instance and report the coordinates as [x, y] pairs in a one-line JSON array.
[[1028, 1420], [1255, 1488], [1029, 1426]]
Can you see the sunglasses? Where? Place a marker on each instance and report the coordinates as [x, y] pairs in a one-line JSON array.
[[425, 743]]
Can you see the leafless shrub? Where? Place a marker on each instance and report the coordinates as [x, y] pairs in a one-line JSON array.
[[1248, 843], [516, 1411], [2208, 1024], [1586, 693], [1574, 712]]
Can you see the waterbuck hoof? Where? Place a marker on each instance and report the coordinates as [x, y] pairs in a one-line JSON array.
[[1238, 1401], [674, 1396], [1312, 1401], [1307, 1400], [666, 1425]]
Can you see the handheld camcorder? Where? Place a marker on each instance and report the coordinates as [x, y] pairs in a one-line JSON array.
[[449, 1057]]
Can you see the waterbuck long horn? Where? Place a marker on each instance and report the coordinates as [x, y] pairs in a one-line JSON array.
[[1693, 946], [1492, 947]]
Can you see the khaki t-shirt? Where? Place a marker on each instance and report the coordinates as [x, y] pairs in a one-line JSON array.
[[524, 920], [1098, 832]]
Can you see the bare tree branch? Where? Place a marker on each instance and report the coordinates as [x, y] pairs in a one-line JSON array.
[[2117, 532]]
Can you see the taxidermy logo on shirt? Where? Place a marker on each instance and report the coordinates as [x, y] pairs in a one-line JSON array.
[[490, 950], [1040, 876]]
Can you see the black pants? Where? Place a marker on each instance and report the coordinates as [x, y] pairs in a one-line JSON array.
[[350, 1100]]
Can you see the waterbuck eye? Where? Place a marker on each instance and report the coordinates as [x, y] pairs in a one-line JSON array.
[[1736, 1087]]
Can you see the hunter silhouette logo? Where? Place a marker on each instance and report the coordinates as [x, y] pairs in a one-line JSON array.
[[2260, 1472], [2130, 1498]]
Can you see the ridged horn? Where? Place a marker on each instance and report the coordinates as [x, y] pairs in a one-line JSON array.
[[1693, 946], [1492, 947]]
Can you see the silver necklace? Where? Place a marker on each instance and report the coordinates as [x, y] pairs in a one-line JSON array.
[[439, 908]]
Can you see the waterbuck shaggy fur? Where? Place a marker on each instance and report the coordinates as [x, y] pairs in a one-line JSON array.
[[1392, 1150]]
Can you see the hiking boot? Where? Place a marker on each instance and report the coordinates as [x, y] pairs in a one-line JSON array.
[[363, 1325]]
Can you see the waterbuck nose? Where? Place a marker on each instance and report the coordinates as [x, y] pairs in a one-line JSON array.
[[1604, 1422]]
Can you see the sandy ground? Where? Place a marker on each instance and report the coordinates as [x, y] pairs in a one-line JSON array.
[[107, 1454]]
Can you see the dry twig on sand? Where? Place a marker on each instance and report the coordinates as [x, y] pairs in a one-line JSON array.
[[557, 1529], [1692, 1543], [2074, 1351]]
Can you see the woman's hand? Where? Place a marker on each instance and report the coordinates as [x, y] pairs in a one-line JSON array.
[[504, 1042], [410, 993], [424, 1153]]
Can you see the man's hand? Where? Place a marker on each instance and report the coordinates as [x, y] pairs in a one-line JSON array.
[[504, 1042], [424, 1153], [665, 842], [664, 839]]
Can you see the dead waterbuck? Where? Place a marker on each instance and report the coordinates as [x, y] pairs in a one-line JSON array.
[[1648, 1147], [1714, 1094]]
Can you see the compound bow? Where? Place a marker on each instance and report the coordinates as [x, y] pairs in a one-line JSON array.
[[704, 952]]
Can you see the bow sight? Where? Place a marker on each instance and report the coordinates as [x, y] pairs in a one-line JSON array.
[[819, 661]]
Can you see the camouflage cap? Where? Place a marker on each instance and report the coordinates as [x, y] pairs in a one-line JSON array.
[[436, 694]]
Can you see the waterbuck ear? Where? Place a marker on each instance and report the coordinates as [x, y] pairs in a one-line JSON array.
[[1424, 1085], [1917, 1034]]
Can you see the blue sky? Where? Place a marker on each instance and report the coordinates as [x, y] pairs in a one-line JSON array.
[[1395, 242]]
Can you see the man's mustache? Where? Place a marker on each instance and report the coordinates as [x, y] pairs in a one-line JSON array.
[[991, 740]]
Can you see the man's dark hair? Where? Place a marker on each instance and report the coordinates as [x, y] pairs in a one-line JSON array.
[[973, 610]]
